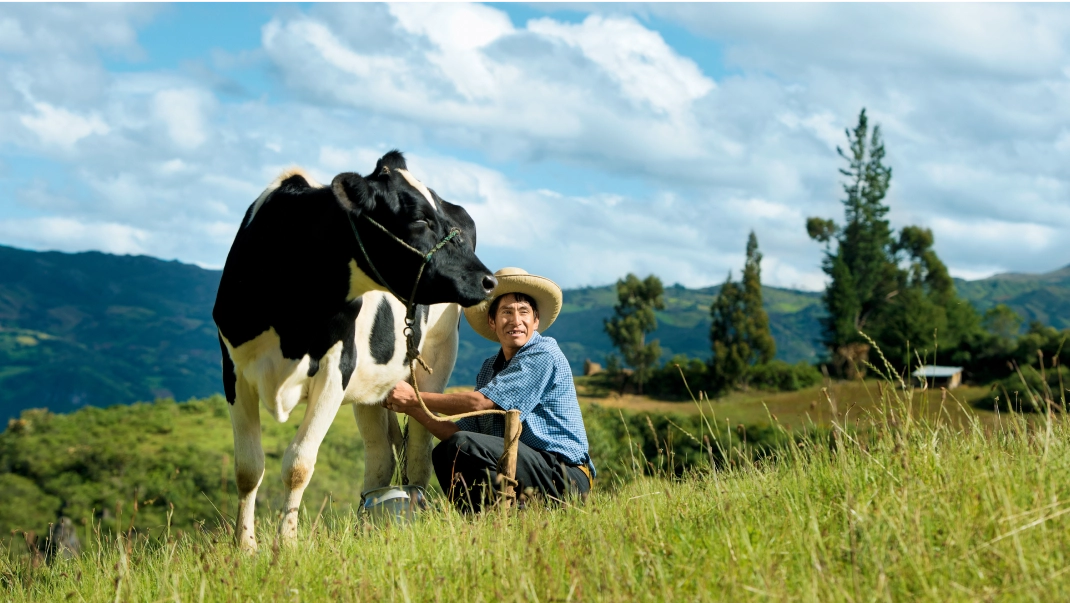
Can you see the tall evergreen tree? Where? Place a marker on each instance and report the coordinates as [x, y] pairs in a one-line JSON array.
[[861, 268], [895, 289], [739, 325], [757, 334], [633, 317], [726, 337]]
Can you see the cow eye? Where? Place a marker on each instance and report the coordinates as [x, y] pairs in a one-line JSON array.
[[420, 224]]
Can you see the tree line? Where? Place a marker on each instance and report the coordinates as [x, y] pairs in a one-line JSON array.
[[887, 291]]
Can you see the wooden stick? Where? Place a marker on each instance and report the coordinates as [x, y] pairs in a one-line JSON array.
[[507, 464]]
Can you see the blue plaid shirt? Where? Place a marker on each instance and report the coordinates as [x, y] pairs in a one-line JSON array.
[[537, 381]]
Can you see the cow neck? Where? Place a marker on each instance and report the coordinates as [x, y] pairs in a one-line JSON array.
[[412, 351]]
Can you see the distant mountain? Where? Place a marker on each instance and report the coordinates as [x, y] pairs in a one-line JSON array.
[[99, 329], [1041, 297]]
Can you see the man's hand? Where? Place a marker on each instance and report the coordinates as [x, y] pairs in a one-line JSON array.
[[402, 399]]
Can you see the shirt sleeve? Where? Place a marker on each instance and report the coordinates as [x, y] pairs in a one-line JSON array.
[[521, 385]]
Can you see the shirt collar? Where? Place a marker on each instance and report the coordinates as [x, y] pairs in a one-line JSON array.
[[500, 362]]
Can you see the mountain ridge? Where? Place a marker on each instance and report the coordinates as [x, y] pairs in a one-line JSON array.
[[93, 328]]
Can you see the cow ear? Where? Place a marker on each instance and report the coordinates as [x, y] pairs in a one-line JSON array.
[[352, 192]]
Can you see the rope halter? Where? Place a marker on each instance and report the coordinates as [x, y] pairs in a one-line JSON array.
[[410, 304], [412, 351]]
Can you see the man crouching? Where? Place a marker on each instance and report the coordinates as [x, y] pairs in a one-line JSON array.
[[529, 374]]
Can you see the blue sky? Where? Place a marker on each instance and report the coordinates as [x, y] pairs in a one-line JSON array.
[[587, 140]]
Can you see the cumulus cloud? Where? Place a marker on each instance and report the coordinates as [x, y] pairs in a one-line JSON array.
[[584, 149], [60, 127], [607, 91], [182, 113], [66, 234]]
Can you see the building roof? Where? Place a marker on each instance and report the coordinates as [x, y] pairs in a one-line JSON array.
[[930, 371]]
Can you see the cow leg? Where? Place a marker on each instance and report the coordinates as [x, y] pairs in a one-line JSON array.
[[248, 460], [299, 461], [373, 422]]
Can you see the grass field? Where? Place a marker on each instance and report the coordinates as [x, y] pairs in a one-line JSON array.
[[852, 400], [913, 507]]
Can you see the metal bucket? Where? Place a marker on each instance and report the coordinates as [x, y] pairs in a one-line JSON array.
[[395, 504]]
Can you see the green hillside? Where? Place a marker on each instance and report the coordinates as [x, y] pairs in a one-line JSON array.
[[85, 463], [1040, 297], [93, 328], [97, 329]]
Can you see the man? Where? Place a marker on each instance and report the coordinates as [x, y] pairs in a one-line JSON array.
[[529, 374]]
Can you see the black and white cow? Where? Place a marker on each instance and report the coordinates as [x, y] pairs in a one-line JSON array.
[[289, 311]]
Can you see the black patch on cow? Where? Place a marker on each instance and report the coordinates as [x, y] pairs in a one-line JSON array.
[[348, 352], [288, 270], [420, 319], [382, 338], [344, 327], [230, 378]]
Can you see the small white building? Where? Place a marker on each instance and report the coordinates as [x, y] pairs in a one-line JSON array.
[[940, 376]]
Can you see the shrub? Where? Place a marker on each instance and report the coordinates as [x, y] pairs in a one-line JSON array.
[[666, 383], [1032, 395], [781, 376]]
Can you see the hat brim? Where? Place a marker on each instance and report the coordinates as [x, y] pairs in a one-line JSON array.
[[545, 292]]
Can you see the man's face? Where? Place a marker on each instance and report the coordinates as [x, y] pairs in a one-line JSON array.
[[514, 323]]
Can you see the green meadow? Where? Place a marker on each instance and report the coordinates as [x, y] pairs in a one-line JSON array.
[[906, 500]]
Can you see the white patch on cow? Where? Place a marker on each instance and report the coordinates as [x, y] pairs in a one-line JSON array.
[[281, 383], [277, 182], [360, 282], [416, 184]]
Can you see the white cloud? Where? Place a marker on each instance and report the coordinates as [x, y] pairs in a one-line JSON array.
[[607, 91], [60, 127], [994, 234], [591, 148], [182, 112], [65, 234], [636, 58]]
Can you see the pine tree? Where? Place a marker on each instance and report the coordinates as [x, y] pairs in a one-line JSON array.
[[756, 332], [899, 308], [726, 338], [633, 317], [739, 325], [861, 268]]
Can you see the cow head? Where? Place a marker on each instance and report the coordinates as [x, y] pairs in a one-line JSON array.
[[415, 214]]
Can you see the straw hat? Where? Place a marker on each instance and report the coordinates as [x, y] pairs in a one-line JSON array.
[[544, 291]]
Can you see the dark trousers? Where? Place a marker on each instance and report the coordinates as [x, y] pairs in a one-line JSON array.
[[467, 468]]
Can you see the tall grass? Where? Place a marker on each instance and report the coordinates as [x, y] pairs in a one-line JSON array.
[[914, 507]]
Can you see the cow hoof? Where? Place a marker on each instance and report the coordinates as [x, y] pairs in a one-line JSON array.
[[288, 531], [247, 545]]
